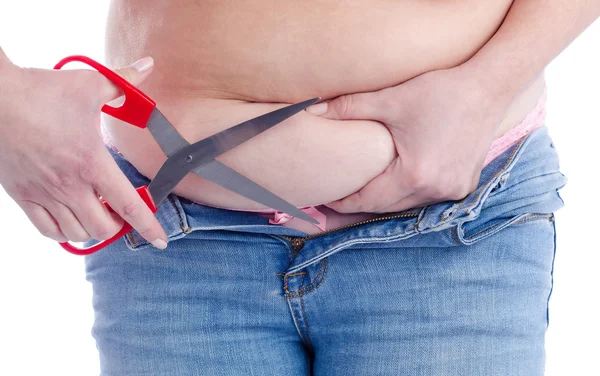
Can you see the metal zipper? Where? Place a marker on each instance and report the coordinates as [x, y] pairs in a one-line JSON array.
[[298, 242]]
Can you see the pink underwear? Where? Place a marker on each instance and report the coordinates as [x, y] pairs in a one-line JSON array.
[[330, 219]]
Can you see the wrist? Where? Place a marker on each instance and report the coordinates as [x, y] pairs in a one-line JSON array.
[[481, 92], [10, 89], [499, 80]]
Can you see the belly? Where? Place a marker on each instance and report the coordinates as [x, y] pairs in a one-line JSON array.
[[220, 62]]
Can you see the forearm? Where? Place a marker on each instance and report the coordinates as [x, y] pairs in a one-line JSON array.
[[532, 35], [12, 91]]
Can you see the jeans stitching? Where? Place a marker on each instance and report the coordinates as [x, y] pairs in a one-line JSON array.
[[488, 230], [339, 247], [535, 217], [531, 178], [308, 340], [454, 234], [285, 284], [295, 318], [499, 172], [286, 245], [293, 312], [511, 222], [422, 215], [526, 218], [131, 240], [181, 224], [551, 277], [302, 292]]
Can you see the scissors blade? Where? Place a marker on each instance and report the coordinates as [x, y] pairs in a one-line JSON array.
[[170, 140], [165, 134], [228, 178], [184, 159], [227, 139]]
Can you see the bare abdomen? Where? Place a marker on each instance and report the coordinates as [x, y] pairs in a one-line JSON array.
[[221, 62]]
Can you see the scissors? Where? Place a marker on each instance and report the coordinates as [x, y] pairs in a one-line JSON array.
[[182, 157]]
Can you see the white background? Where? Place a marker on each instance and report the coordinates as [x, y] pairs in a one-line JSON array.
[[45, 302]]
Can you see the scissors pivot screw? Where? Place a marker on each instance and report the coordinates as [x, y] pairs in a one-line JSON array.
[[188, 158]]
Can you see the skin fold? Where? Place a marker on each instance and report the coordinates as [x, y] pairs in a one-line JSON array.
[[218, 63], [403, 82]]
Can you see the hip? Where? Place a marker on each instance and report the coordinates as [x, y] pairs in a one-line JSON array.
[[463, 279]]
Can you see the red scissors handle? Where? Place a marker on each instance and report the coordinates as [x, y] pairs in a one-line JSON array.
[[144, 194], [137, 107], [136, 110]]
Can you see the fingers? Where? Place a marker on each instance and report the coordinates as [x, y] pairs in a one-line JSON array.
[[361, 106], [67, 221], [86, 221], [43, 221], [383, 191], [117, 191], [83, 219], [72, 211], [398, 189], [135, 74], [413, 201], [95, 218]]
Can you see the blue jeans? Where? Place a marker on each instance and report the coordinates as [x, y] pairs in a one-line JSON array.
[[455, 288]]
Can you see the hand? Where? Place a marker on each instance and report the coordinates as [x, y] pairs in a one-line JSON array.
[[54, 163], [442, 124]]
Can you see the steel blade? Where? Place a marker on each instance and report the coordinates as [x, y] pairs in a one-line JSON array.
[[167, 178], [165, 134], [171, 141], [217, 144], [184, 158], [228, 178]]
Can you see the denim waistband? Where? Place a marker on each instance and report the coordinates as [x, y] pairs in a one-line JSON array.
[[522, 181]]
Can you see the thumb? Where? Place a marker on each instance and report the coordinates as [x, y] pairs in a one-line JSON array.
[[360, 106], [135, 74]]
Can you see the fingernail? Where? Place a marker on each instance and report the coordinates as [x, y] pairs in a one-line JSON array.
[[143, 64], [159, 243], [317, 109]]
